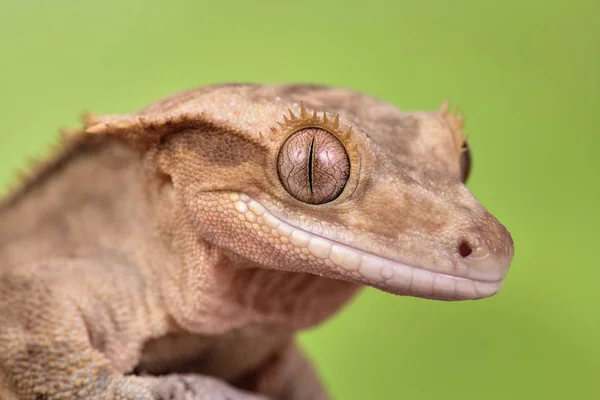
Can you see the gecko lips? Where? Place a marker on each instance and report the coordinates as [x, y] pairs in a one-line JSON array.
[[349, 263]]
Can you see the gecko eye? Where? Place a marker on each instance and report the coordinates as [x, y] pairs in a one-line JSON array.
[[313, 166], [465, 163]]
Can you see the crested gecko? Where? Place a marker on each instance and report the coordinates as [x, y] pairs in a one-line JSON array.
[[173, 253]]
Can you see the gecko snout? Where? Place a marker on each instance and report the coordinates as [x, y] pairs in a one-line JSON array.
[[486, 252]]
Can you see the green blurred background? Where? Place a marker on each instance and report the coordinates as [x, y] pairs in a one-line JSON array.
[[525, 72]]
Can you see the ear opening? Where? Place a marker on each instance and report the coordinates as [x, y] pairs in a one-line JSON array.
[[165, 180]]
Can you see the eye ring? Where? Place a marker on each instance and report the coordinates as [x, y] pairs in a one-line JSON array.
[[465, 163], [313, 165]]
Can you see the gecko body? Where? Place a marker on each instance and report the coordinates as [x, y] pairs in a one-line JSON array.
[[173, 253]]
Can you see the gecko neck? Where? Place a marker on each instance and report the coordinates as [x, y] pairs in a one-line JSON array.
[[93, 198], [87, 198]]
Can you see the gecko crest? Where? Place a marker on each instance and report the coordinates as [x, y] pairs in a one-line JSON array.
[[67, 143], [142, 131]]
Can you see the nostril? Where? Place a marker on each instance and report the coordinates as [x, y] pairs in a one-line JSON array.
[[465, 249]]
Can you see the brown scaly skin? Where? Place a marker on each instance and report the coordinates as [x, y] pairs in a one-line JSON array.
[[174, 253]]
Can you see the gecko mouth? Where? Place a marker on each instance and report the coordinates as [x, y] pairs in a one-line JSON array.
[[354, 264]]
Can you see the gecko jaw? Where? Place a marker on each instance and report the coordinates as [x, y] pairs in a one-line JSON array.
[[356, 265]]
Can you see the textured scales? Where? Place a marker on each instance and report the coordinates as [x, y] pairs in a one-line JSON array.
[[160, 256]]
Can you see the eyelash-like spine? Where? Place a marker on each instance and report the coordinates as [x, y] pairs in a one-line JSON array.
[[455, 120], [292, 123]]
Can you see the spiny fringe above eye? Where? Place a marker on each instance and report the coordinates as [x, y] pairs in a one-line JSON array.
[[292, 124], [456, 121]]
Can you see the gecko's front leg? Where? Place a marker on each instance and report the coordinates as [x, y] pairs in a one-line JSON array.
[[46, 351], [50, 351]]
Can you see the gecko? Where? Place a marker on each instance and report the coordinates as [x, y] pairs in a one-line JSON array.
[[175, 252]]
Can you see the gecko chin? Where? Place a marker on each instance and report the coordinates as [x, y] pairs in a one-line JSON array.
[[332, 259]]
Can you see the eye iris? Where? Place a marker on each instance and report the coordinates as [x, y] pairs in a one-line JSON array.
[[313, 166]]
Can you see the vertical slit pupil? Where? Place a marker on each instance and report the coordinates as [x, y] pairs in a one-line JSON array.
[[311, 155]]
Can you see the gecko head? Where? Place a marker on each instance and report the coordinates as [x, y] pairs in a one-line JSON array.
[[325, 181]]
